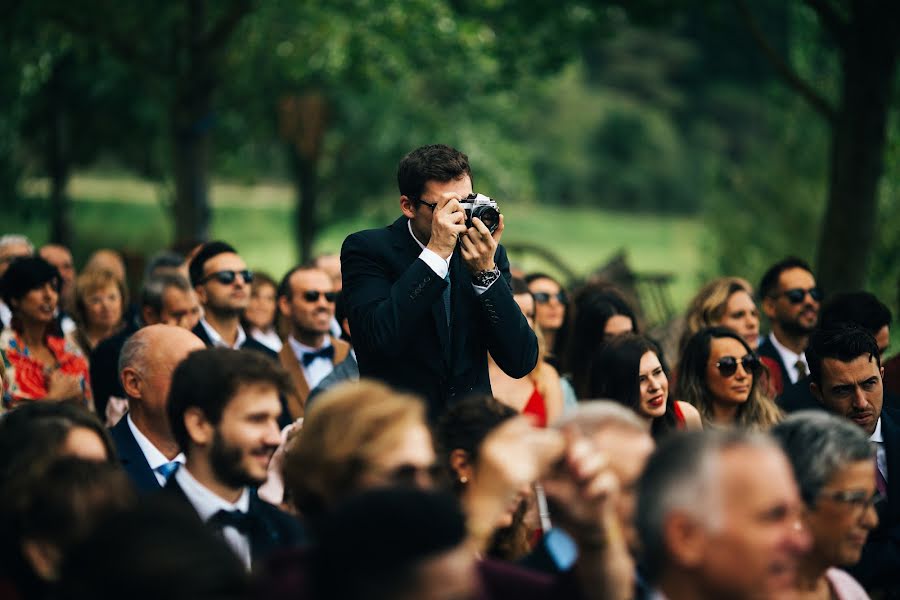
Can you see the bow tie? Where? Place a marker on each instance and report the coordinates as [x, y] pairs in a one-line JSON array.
[[241, 521], [326, 352]]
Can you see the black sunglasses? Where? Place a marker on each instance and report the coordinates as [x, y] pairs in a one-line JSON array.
[[228, 277], [797, 295], [728, 365], [428, 204], [544, 297], [313, 296]]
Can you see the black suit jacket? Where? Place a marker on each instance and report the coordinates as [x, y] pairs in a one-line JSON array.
[[879, 567], [400, 333], [249, 344], [767, 348], [275, 528], [105, 380], [132, 458]]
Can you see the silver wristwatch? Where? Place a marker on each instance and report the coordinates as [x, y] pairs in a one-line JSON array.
[[485, 278]]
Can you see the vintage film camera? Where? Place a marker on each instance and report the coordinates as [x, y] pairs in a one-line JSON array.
[[478, 205]]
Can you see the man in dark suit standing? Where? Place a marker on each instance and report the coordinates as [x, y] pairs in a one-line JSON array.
[[790, 299], [222, 282], [428, 297], [847, 378], [223, 408], [143, 437]]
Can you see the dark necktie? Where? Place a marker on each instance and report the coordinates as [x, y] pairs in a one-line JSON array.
[[446, 296], [326, 352], [880, 481], [801, 369], [241, 521]]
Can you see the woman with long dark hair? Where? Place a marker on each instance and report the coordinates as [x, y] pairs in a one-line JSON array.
[[630, 370]]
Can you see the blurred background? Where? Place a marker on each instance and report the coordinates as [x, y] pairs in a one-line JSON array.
[[672, 140]]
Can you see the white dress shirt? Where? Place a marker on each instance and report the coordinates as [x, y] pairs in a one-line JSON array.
[[789, 358], [269, 338], [319, 368], [154, 457], [880, 456], [441, 266], [217, 340], [207, 503]]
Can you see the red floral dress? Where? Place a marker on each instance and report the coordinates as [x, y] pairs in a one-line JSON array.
[[28, 379]]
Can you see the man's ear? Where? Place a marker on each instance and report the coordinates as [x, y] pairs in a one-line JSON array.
[[768, 307], [131, 382], [199, 429], [284, 306], [816, 391], [149, 315], [461, 465], [685, 538], [408, 207], [201, 294]]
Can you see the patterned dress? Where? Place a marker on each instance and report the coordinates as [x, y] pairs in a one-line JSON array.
[[28, 380]]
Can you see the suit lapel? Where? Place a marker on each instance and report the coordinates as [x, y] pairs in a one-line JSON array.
[[890, 432], [200, 332], [296, 401], [461, 306], [132, 458]]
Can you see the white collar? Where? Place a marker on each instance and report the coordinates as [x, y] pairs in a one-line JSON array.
[[217, 340], [204, 500], [421, 245], [154, 457], [301, 349], [876, 435], [788, 356]]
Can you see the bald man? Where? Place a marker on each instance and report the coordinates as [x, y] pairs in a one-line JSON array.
[[143, 438]]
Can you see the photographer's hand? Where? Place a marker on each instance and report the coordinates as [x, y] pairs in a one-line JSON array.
[[447, 224], [478, 245]]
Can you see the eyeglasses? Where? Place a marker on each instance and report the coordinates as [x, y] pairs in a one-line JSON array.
[[728, 365], [544, 297], [313, 296], [798, 295], [428, 204], [228, 277], [858, 499]]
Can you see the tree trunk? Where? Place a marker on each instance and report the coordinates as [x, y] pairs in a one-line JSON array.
[[857, 151], [304, 173], [191, 123], [59, 159]]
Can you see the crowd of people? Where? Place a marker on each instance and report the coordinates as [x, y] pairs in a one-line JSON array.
[[417, 418]]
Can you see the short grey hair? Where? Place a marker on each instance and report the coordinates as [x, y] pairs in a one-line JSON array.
[[156, 285], [14, 239], [682, 475], [818, 445], [595, 415], [135, 353]]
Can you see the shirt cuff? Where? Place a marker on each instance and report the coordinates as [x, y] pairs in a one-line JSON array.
[[480, 289], [437, 264]]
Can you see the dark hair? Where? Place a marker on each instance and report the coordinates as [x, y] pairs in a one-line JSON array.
[[855, 308], [592, 307], [158, 550], [370, 546], [24, 274], [208, 379], [845, 343], [436, 162], [284, 288], [519, 286], [209, 250], [769, 282], [614, 375], [155, 287], [757, 412]]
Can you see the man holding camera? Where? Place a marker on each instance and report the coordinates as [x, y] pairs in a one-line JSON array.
[[429, 296]]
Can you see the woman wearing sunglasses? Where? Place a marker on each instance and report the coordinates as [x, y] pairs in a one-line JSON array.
[[629, 369], [833, 464], [728, 302], [719, 375]]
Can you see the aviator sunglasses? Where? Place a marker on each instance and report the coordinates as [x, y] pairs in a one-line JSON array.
[[228, 277], [728, 365], [797, 295], [544, 297], [313, 296]]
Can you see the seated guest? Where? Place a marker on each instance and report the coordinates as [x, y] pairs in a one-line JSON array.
[[100, 299], [846, 379], [728, 302], [223, 409], [851, 308], [12, 246], [832, 461], [155, 550], [143, 438], [540, 393], [718, 374], [61, 510], [41, 363], [166, 298], [630, 371], [348, 369], [600, 314], [550, 301], [701, 495], [259, 320], [61, 257]]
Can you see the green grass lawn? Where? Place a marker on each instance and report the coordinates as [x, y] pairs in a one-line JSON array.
[[127, 213]]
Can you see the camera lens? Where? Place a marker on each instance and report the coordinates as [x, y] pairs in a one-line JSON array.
[[489, 216]]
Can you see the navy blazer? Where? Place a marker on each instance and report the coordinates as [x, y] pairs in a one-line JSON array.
[[880, 563], [277, 529], [132, 458], [400, 332]]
